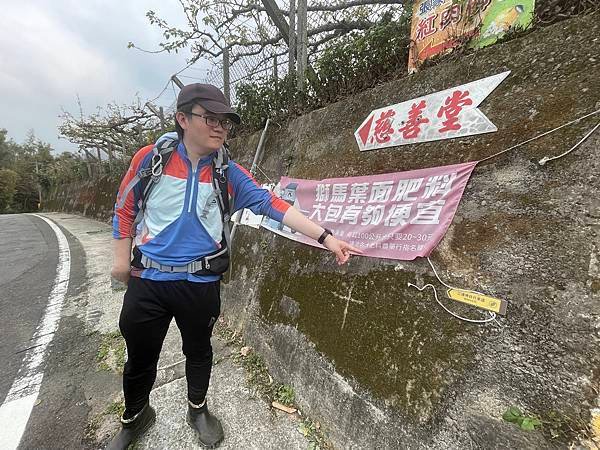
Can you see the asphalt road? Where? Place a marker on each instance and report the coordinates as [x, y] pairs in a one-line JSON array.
[[28, 260], [28, 270]]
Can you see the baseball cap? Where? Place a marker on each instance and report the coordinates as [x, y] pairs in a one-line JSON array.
[[209, 97]]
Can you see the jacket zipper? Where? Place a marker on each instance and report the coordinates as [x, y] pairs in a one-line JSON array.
[[192, 189]]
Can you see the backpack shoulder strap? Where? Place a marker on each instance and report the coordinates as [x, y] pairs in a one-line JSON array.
[[150, 176], [220, 166]]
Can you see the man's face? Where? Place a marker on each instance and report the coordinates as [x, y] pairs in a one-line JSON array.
[[198, 134]]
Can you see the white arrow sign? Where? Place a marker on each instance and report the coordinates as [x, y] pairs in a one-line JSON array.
[[443, 115]]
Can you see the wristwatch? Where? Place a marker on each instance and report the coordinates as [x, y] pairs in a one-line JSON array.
[[323, 236]]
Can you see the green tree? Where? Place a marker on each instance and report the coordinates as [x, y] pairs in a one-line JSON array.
[[25, 198], [67, 168], [8, 183], [8, 150], [4, 150], [30, 169]]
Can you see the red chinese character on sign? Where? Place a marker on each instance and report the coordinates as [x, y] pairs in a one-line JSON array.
[[450, 15], [425, 27], [412, 128], [452, 108], [383, 126]]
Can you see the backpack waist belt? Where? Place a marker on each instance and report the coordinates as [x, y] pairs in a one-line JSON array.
[[213, 264]]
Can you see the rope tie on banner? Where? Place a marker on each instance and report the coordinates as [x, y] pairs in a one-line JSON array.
[[477, 321], [546, 159]]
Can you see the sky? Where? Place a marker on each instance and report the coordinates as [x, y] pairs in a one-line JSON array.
[[52, 51]]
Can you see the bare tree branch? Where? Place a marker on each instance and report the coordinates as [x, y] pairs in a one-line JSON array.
[[244, 27], [113, 126]]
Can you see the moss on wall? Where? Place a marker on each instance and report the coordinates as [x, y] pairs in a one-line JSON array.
[[371, 325]]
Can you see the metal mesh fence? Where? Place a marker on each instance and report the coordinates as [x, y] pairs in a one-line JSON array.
[[260, 62]]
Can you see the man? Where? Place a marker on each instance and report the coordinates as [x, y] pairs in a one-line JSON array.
[[180, 253]]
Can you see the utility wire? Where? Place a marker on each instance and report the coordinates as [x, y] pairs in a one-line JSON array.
[[261, 171], [191, 78], [545, 159], [478, 321], [170, 80], [541, 135]]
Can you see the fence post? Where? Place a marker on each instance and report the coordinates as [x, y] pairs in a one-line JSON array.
[[275, 75], [226, 85], [161, 116], [160, 113], [292, 39], [302, 61], [109, 150], [140, 135], [292, 55], [87, 164], [177, 81]]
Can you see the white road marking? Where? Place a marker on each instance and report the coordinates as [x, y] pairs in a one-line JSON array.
[[16, 409]]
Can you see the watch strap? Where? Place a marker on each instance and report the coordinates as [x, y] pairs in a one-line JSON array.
[[324, 235]]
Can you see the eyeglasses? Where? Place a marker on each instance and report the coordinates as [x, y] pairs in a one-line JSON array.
[[212, 121]]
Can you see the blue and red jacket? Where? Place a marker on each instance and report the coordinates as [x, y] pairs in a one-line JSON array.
[[179, 226]]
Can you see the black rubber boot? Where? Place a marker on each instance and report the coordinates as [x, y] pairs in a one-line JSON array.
[[208, 426], [132, 429]]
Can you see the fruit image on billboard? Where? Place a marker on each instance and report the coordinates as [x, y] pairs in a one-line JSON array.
[[501, 16]]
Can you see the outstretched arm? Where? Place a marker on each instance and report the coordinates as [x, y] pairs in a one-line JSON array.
[[248, 194], [299, 222]]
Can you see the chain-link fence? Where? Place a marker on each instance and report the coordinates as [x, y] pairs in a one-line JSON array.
[[261, 45], [350, 44], [326, 22]]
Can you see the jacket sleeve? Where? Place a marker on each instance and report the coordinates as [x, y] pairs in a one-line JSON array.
[[126, 206], [247, 193]]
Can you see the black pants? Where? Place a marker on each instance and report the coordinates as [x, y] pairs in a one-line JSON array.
[[148, 308]]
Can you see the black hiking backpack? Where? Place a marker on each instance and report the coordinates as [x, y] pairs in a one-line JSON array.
[[215, 263]]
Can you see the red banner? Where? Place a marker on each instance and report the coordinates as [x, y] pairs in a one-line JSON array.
[[401, 215]]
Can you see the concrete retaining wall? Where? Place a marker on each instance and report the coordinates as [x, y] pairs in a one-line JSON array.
[[390, 368]]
